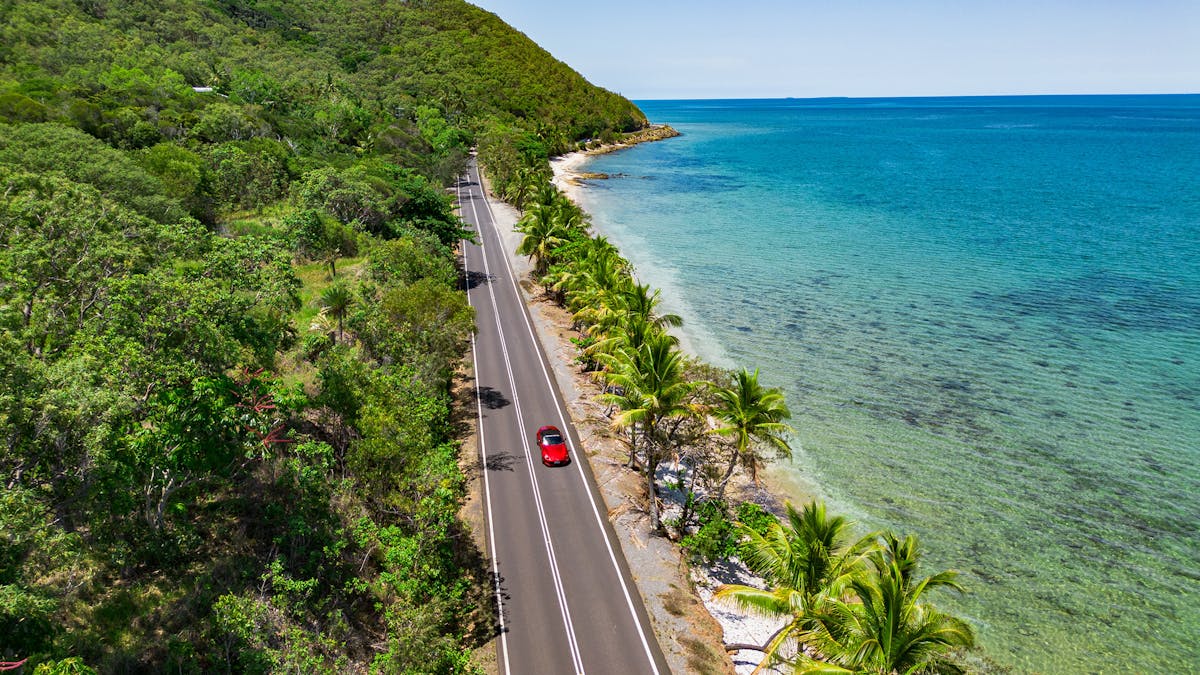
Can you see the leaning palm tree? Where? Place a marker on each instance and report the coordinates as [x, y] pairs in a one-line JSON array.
[[883, 626], [337, 299], [753, 416], [807, 561]]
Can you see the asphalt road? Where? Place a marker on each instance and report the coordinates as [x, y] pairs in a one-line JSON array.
[[567, 601]]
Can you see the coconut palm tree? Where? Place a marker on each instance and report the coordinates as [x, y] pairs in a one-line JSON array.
[[597, 301], [753, 416], [526, 185], [653, 388], [543, 233], [883, 627], [337, 299], [628, 336], [807, 562], [597, 264], [639, 300], [545, 193], [546, 227]]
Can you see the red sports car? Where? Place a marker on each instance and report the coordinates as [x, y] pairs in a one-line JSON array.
[[553, 446]]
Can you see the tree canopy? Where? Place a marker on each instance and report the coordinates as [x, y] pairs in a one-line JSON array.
[[229, 322]]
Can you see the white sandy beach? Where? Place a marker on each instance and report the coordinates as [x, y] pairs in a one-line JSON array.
[[567, 174]]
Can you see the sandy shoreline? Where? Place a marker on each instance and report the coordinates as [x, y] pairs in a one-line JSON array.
[[567, 175], [691, 628]]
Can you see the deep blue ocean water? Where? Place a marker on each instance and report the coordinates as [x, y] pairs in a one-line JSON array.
[[985, 313]]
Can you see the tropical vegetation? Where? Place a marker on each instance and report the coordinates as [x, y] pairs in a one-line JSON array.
[[230, 319], [849, 605]]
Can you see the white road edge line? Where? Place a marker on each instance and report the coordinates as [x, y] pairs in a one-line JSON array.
[[487, 496], [487, 488], [559, 589], [562, 419]]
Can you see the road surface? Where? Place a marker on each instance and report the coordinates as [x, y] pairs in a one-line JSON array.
[[567, 602]]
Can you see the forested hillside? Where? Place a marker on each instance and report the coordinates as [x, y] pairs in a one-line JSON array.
[[229, 321]]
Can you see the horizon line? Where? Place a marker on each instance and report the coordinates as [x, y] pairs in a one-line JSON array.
[[906, 96]]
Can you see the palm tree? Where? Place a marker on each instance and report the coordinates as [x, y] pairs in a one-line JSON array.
[[653, 388], [752, 415], [628, 336], [601, 267], [526, 184], [885, 628], [597, 301], [807, 563], [337, 299], [546, 227], [545, 193], [643, 301]]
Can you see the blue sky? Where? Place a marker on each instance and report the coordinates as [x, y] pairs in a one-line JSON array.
[[653, 49]]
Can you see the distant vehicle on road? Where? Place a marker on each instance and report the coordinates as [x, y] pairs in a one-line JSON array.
[[554, 448]]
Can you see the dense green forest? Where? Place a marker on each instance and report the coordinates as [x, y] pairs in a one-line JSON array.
[[230, 320]]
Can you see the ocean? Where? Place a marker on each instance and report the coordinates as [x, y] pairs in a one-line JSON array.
[[985, 314]]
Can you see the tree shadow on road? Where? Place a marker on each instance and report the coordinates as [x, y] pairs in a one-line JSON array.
[[501, 461], [492, 399]]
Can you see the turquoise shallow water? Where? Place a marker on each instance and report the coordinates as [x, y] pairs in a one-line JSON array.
[[985, 313]]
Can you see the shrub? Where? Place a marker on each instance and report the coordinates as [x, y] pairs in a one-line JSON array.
[[754, 517], [715, 538], [314, 345]]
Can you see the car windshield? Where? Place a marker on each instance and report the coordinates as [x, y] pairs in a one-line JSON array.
[[552, 439]]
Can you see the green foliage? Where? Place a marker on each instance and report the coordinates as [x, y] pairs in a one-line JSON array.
[[32, 547], [408, 259], [754, 517], [856, 606], [313, 345], [16, 107], [183, 174], [61, 246], [248, 174], [169, 504], [68, 666], [426, 324], [715, 537], [55, 149]]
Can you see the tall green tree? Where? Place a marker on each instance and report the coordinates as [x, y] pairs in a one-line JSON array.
[[752, 415]]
